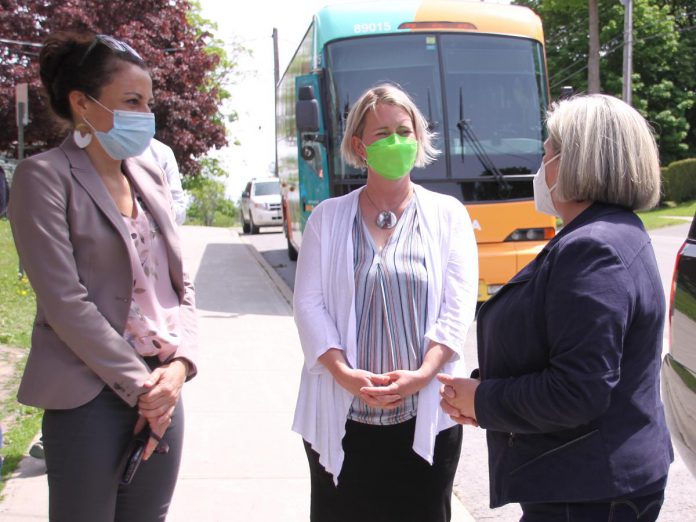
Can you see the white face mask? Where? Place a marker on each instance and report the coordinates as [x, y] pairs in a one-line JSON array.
[[542, 192]]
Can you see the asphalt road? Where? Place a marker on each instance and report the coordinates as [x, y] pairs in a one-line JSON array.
[[471, 482]]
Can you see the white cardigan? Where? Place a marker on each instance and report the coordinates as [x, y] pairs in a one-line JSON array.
[[324, 308]]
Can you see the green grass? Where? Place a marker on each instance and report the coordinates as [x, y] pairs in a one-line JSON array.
[[660, 217], [17, 308], [220, 220], [17, 439], [17, 303]]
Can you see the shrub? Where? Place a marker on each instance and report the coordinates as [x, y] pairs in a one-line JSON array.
[[679, 181], [209, 206]]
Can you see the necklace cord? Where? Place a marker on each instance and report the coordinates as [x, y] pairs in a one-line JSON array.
[[410, 191], [386, 219]]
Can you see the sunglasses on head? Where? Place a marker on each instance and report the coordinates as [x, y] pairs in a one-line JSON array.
[[112, 43]]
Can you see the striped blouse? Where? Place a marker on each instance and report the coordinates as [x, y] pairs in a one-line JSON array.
[[391, 290]]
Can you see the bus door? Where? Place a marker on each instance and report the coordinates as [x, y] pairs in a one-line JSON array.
[[312, 159]]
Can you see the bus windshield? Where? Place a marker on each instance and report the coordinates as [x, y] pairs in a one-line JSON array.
[[483, 95]]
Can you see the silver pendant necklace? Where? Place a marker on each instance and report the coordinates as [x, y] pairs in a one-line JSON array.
[[386, 219]]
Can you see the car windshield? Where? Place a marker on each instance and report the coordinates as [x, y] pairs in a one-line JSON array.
[[266, 188]]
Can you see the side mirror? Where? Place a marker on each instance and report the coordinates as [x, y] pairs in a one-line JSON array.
[[245, 194], [307, 111], [567, 91]]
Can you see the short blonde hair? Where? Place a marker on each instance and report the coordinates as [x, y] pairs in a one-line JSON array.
[[392, 95], [607, 152]]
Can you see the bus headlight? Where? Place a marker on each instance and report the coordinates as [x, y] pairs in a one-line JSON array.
[[494, 289], [531, 234]]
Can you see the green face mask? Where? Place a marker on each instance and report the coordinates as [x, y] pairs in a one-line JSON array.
[[392, 157]]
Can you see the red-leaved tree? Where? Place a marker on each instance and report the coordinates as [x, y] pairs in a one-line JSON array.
[[185, 69]]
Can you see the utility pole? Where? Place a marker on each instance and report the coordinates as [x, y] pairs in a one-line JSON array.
[[276, 79], [593, 84], [22, 107], [21, 112], [628, 52]]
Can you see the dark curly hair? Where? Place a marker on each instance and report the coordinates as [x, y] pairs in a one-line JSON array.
[[73, 61]]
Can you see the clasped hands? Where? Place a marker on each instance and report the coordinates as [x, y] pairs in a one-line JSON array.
[[457, 398], [156, 405], [386, 391]]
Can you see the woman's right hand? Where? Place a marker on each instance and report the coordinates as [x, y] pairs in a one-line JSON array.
[[158, 429]]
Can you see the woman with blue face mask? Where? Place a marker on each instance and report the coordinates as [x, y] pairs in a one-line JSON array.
[[385, 291], [569, 350], [115, 333]]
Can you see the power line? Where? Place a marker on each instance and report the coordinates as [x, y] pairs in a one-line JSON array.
[[19, 42], [610, 46], [573, 27], [618, 46]]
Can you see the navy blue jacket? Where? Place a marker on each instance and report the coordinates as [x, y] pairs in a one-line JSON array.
[[569, 353]]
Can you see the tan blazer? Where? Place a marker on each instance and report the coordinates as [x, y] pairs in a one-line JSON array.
[[72, 241]]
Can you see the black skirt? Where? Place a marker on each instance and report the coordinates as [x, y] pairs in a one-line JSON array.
[[383, 479]]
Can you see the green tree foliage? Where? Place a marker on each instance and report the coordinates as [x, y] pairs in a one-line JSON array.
[[663, 60], [679, 181], [209, 206], [188, 67], [684, 12]]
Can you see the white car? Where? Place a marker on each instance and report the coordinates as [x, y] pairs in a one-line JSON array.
[[679, 365], [261, 205]]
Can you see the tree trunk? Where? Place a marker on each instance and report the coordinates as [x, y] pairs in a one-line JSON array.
[[593, 85]]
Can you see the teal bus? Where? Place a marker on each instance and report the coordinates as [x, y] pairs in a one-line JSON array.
[[477, 71]]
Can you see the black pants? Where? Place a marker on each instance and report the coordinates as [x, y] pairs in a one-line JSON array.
[[383, 479], [645, 508], [84, 449]]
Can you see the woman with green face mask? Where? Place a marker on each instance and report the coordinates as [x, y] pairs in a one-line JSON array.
[[385, 292]]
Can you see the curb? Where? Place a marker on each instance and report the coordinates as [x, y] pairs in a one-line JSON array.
[[281, 285]]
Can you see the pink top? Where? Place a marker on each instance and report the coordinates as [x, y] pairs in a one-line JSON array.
[[153, 325]]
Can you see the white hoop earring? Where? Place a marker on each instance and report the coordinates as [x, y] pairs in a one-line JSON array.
[[81, 140]]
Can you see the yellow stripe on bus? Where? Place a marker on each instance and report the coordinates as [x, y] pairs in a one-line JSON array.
[[506, 19]]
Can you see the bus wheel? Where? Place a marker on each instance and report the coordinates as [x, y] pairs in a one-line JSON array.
[[292, 251]]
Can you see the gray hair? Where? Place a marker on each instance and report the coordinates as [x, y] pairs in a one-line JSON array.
[[392, 95], [608, 152]]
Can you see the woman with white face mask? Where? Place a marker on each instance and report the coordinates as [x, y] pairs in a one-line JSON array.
[[115, 333], [569, 350]]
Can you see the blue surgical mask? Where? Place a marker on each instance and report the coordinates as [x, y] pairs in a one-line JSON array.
[[130, 135]]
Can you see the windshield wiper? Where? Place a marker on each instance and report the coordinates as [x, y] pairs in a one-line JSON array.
[[343, 114], [465, 131], [431, 123]]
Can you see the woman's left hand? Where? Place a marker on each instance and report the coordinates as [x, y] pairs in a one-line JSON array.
[[402, 383], [163, 390]]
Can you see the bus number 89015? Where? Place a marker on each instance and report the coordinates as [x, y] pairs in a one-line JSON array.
[[372, 27]]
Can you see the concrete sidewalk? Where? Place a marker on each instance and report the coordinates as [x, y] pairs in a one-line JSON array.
[[241, 461]]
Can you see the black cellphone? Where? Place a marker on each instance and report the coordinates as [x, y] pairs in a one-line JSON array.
[[134, 455]]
